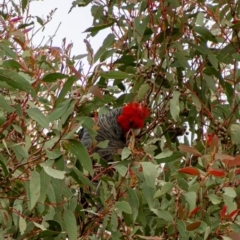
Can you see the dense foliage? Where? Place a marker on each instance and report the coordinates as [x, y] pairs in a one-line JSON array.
[[179, 180]]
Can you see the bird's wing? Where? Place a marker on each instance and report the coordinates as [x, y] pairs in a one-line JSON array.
[[85, 138], [112, 148]]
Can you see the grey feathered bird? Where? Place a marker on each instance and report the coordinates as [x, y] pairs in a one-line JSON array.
[[114, 126]]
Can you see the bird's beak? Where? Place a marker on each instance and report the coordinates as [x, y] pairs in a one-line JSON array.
[[136, 131]]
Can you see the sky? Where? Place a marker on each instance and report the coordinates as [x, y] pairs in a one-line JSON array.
[[72, 26]]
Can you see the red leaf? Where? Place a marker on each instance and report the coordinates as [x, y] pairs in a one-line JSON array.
[[232, 161], [223, 157], [233, 213], [237, 171], [193, 226], [194, 211], [223, 211], [209, 138], [214, 143], [96, 91], [27, 30], [16, 19], [190, 170], [216, 172], [188, 149], [234, 235]]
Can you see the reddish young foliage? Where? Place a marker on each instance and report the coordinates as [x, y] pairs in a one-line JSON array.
[[223, 211], [190, 170], [209, 138], [194, 211], [233, 213], [216, 172]]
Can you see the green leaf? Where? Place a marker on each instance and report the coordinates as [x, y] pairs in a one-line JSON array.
[[20, 152], [181, 59], [123, 206], [200, 18], [174, 105], [80, 178], [168, 156], [148, 193], [134, 202], [60, 110], [65, 89], [213, 60], [22, 225], [39, 20], [142, 91], [214, 199], [34, 189], [6, 47], [99, 27], [40, 226], [2, 118], [3, 166], [205, 33], [54, 173], [107, 43], [103, 144], [235, 133], [139, 27], [122, 170], [182, 229], [54, 154], [76, 148], [16, 81], [230, 203], [126, 60], [165, 215], [207, 232], [191, 198], [125, 153], [229, 191], [52, 77], [115, 75], [5, 105], [38, 116], [182, 183], [11, 64], [166, 188], [196, 102], [149, 173], [44, 183], [24, 5], [70, 224], [164, 154]]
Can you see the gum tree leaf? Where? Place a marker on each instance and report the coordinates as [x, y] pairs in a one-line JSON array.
[[76, 148], [34, 188], [174, 105], [16, 81], [149, 172], [142, 91], [134, 202], [115, 75], [38, 116], [70, 224], [52, 77], [22, 225], [65, 89], [123, 206], [54, 173]]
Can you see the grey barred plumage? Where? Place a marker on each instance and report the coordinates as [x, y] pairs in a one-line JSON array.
[[114, 126], [109, 129]]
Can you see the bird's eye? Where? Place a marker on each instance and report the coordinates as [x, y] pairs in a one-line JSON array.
[[131, 123]]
